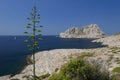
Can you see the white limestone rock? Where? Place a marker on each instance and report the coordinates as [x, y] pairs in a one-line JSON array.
[[49, 61], [5, 77], [113, 40], [90, 31]]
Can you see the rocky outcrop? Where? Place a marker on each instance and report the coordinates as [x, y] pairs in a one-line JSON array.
[[7, 77], [113, 40], [51, 61], [90, 31]]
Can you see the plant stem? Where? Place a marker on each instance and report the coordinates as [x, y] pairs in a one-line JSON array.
[[34, 24]]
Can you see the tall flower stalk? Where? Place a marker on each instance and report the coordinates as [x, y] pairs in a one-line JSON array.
[[34, 34]]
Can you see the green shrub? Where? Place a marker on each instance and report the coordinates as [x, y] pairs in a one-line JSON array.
[[115, 77], [77, 69], [117, 69]]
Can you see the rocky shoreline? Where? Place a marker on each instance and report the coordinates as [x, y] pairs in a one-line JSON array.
[[49, 61], [113, 40]]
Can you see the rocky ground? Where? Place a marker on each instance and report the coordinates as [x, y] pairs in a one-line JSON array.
[[51, 61], [5, 77], [113, 40]]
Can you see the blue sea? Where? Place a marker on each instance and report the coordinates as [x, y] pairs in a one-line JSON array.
[[13, 50]]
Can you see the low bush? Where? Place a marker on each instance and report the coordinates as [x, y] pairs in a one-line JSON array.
[[117, 69], [115, 77], [77, 69]]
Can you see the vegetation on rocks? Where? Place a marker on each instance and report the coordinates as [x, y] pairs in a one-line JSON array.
[[115, 77], [95, 64], [77, 69], [117, 69]]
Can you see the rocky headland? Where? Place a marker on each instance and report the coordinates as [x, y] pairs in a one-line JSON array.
[[108, 58], [90, 31], [51, 61], [113, 40]]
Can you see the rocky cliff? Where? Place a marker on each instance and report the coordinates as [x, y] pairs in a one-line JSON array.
[[90, 31]]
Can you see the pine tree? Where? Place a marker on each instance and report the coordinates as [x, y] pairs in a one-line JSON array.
[[34, 34]]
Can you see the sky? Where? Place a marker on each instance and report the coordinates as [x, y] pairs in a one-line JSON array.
[[59, 15]]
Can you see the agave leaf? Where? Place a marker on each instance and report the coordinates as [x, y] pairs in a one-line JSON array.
[[41, 26], [28, 18], [32, 36], [39, 31], [26, 41], [28, 46], [25, 32], [39, 35], [28, 26], [40, 39]]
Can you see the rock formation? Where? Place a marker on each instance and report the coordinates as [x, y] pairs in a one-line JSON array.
[[113, 40], [51, 61], [90, 31]]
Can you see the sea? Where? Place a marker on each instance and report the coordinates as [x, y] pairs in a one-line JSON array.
[[13, 50]]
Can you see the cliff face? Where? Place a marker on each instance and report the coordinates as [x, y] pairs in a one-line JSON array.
[[90, 31]]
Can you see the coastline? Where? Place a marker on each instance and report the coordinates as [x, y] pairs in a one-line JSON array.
[[22, 50], [48, 61]]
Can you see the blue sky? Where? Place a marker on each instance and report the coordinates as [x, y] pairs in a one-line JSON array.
[[59, 15]]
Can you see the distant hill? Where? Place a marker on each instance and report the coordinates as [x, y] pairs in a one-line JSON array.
[[90, 31]]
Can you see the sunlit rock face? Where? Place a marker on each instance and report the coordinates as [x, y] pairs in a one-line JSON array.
[[113, 40], [90, 31]]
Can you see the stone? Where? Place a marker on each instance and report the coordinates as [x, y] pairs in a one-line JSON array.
[[113, 40], [49, 61], [90, 31]]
